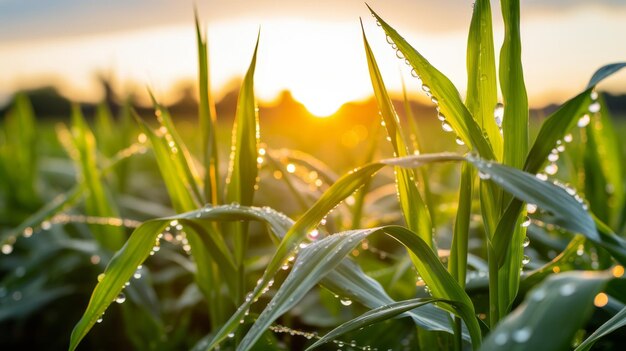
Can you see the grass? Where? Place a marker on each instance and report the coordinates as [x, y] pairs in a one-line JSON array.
[[505, 256]]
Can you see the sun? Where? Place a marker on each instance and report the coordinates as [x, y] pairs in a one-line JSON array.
[[321, 104]]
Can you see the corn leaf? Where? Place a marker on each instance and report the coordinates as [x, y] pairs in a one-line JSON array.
[[550, 315], [177, 151], [616, 322], [482, 94], [414, 209], [604, 173], [20, 167], [208, 122], [556, 126], [98, 200], [515, 123], [321, 256], [243, 169], [373, 316], [458, 252], [176, 183], [449, 100]]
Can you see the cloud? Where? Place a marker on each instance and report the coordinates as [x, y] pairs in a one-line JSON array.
[[22, 21]]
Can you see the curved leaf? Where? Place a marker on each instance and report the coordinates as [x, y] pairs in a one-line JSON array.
[[414, 209], [616, 322], [550, 315], [373, 316], [320, 257], [449, 100]]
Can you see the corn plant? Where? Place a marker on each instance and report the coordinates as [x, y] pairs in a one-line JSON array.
[[459, 295]]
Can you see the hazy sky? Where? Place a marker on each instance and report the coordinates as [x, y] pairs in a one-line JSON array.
[[313, 48]]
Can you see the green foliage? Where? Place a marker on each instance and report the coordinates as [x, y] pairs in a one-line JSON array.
[[247, 273]]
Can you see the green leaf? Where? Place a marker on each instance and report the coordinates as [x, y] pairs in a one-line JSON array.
[[449, 100], [106, 136], [177, 184], [175, 149], [138, 247], [564, 210], [208, 121], [550, 315], [49, 210], [482, 94], [562, 207], [515, 123], [414, 209], [460, 238], [320, 257], [604, 72], [604, 172], [243, 168], [373, 316], [349, 281], [616, 322], [119, 270], [98, 200], [340, 190], [21, 167], [556, 126], [561, 263]]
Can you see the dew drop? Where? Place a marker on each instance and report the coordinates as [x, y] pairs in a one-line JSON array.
[[414, 73], [522, 335], [553, 157], [531, 208], [120, 298], [501, 339], [446, 126], [498, 113], [568, 138], [7, 249], [538, 295], [426, 88], [399, 54], [594, 95], [551, 169], [525, 260], [28, 232], [345, 301], [100, 277], [594, 107], [99, 320], [313, 234], [526, 242], [231, 335], [580, 250], [542, 176], [484, 176], [583, 121], [526, 222], [459, 141], [45, 225], [441, 117], [567, 289]]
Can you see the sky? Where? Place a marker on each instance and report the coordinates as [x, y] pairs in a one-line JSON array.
[[312, 48]]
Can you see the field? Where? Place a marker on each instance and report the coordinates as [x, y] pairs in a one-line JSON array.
[[473, 228]]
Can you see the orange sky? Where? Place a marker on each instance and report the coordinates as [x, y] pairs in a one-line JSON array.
[[312, 48]]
